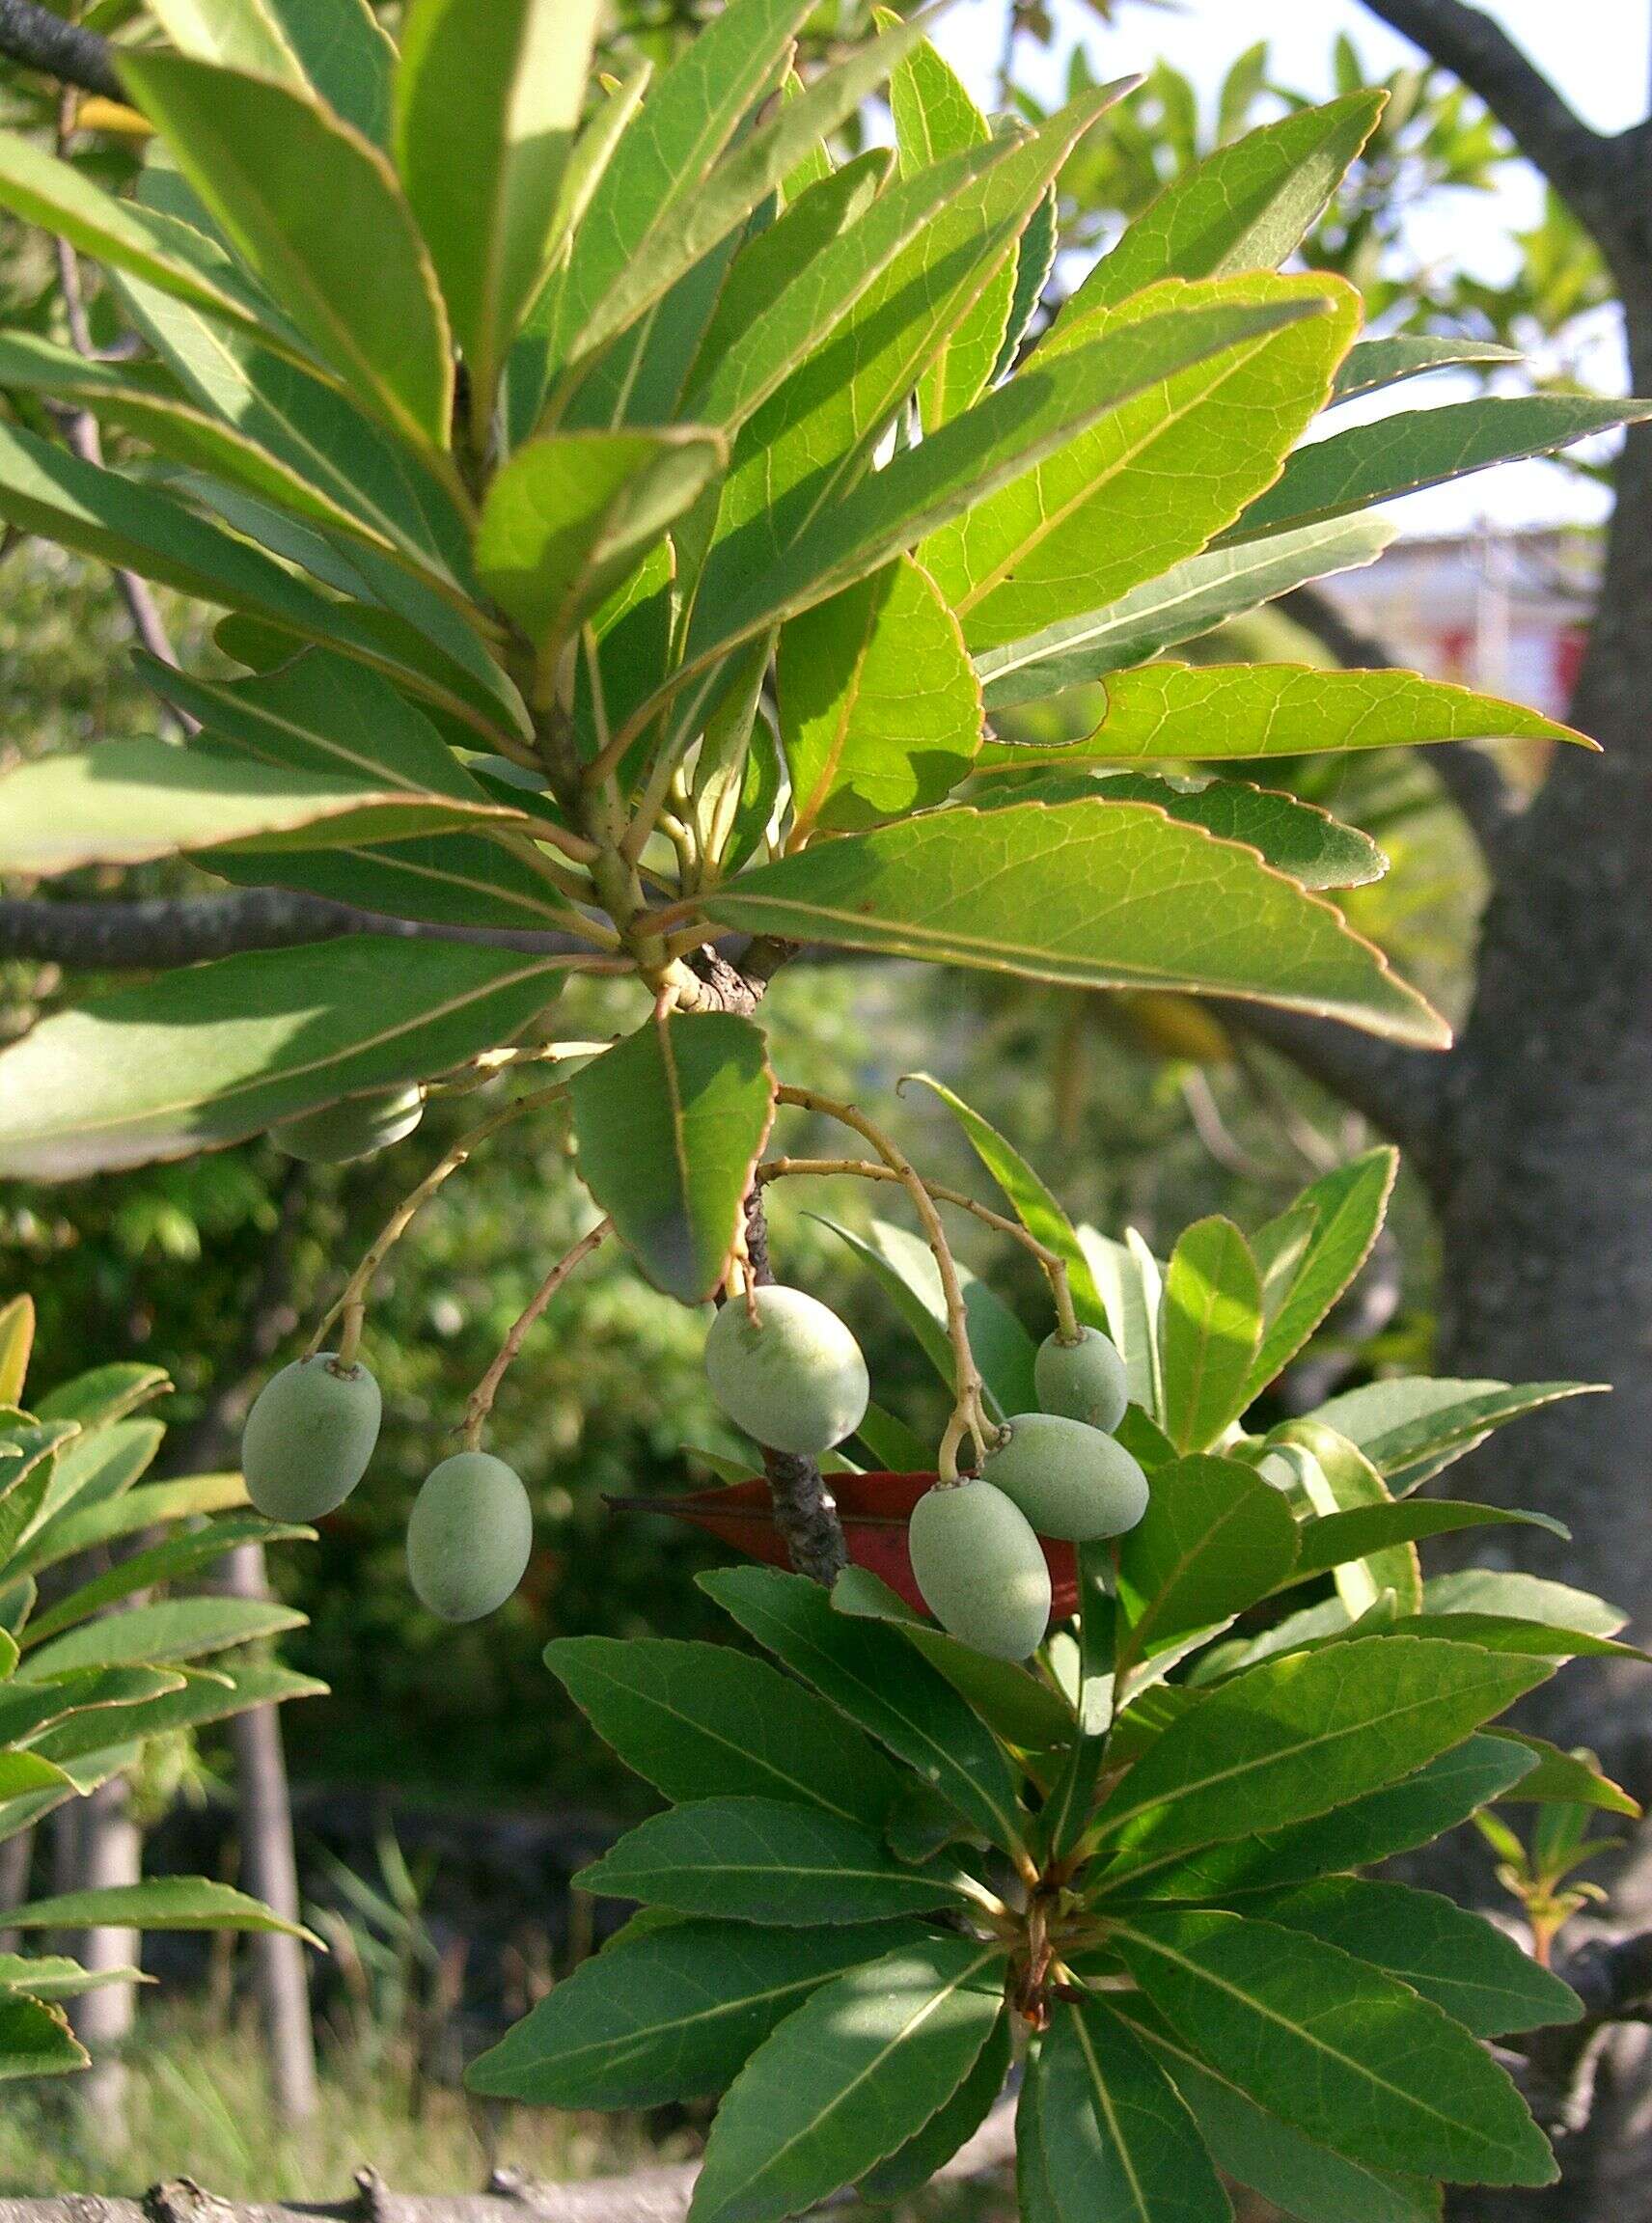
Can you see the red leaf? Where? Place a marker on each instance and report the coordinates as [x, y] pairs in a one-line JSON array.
[[874, 1510]]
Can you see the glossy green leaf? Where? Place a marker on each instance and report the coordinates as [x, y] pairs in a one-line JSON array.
[[1117, 2138], [1350, 1205], [705, 1721], [235, 34], [1566, 1778], [163, 1903], [312, 206], [1148, 485], [344, 53], [23, 1772], [1209, 712], [904, 1269], [570, 515], [487, 108], [764, 1860], [1411, 1429], [934, 116], [1300, 1735], [1417, 448], [880, 710], [1464, 1963], [221, 1051], [1336, 1538], [1130, 1284], [161, 1562], [872, 1674], [1092, 894], [202, 1695], [1371, 1827], [1247, 207], [671, 2014], [1523, 1597], [36, 2039], [1335, 1477], [82, 1528], [669, 1125], [1376, 364], [127, 801], [848, 2079], [1209, 1331], [16, 1342], [1189, 600], [1215, 1539], [1349, 2055], [910, 2167], [28, 1708], [177, 1629], [1019, 1705]]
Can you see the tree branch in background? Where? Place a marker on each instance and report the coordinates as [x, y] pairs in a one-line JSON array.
[[147, 933], [40, 41], [1399, 1090], [1469, 774], [1550, 133]]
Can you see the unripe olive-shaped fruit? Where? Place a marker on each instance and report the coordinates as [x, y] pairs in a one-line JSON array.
[[469, 1536], [309, 1438], [980, 1568], [794, 1378], [1083, 1381], [1069, 1480], [354, 1127]]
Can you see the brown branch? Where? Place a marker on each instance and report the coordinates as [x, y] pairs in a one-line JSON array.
[[40, 41], [1612, 1976], [1578, 162], [1469, 774], [147, 933]]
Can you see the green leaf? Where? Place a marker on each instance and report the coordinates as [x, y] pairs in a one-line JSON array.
[[764, 1860], [23, 1772], [1417, 448], [1350, 1205], [1117, 2139], [1566, 1778], [1275, 2159], [1521, 1597], [1465, 1964], [202, 1695], [1189, 600], [1215, 1539], [163, 1903], [705, 1721], [752, 583], [871, 1673], [129, 802], [848, 2079], [81, 1528], [345, 55], [1350, 2056], [669, 1125], [1158, 476], [54, 1976], [670, 2015], [1023, 1709], [1211, 711], [162, 1562], [311, 204], [1034, 1204], [235, 34], [1245, 208], [1211, 1327], [1298, 1736], [16, 1342], [1092, 894], [1335, 1477], [36, 2039], [880, 710], [58, 197], [221, 1051], [910, 2167], [1131, 1286], [934, 116], [904, 1269], [101, 1464], [1373, 1827], [1379, 362], [177, 1629], [106, 1393], [487, 108], [1411, 1429], [27, 1708], [1333, 1539], [569, 516]]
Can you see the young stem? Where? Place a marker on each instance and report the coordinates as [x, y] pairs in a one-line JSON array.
[[481, 1397], [969, 1416]]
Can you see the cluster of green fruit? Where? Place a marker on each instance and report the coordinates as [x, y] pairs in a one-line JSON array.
[[306, 1444], [785, 1368]]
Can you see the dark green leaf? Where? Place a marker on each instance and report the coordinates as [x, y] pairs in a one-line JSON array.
[[1335, 1538], [178, 1629], [163, 1903], [36, 2039], [1410, 1429], [1215, 1538], [911, 2166], [1378, 363], [1117, 2139]]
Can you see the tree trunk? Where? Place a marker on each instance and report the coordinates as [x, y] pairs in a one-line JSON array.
[[110, 1849]]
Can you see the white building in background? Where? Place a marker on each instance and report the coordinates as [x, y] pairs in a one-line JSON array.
[[1503, 611]]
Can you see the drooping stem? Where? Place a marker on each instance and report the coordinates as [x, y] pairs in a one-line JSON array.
[[968, 1413], [481, 1397], [352, 1300]]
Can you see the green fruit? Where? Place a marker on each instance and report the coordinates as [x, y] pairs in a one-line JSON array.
[[982, 1570], [796, 1379], [354, 1127], [1083, 1381], [309, 1438], [469, 1536], [1069, 1480]]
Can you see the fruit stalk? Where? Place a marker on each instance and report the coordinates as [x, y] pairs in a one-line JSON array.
[[481, 1397]]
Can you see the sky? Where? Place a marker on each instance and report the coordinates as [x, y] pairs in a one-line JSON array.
[[1599, 53]]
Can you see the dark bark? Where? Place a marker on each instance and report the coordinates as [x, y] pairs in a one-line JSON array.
[[40, 41], [142, 935]]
